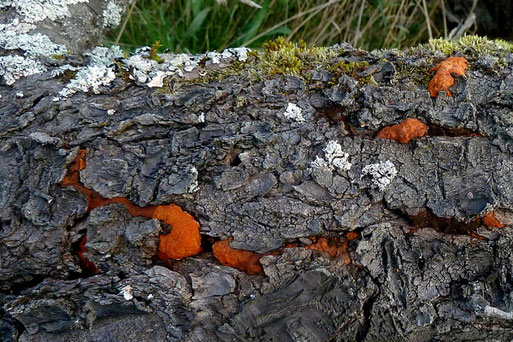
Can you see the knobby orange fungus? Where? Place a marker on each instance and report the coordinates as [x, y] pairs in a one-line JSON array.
[[405, 131], [246, 261], [184, 239], [443, 79], [490, 220]]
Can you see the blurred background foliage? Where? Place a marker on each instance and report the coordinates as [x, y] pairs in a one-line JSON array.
[[196, 26]]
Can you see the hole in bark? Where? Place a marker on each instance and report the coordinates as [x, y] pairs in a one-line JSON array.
[[232, 157], [10, 328], [207, 242], [88, 268], [438, 131], [17, 287], [426, 219], [334, 115]]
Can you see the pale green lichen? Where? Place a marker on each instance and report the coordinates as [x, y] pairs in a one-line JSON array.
[[16, 36], [91, 77], [32, 44], [14, 67], [34, 11], [98, 73], [112, 15]]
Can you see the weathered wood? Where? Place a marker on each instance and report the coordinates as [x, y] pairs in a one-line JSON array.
[[354, 237]]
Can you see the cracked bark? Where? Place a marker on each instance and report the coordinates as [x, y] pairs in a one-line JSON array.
[[423, 266]]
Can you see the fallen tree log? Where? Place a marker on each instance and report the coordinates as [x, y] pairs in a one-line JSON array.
[[255, 196]]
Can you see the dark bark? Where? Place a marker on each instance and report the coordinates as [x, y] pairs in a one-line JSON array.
[[423, 267]]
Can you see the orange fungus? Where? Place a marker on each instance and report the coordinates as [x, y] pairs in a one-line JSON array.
[[88, 265], [443, 79], [352, 235], [246, 261], [490, 220], [405, 131], [184, 239]]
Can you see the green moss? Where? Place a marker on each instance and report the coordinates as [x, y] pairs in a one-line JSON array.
[[352, 69], [281, 57], [67, 75], [153, 52], [418, 75], [470, 45]]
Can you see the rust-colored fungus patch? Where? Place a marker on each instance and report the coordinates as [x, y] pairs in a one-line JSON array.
[[88, 265], [333, 246], [443, 79], [490, 220], [246, 261], [350, 236], [184, 239], [477, 236], [405, 131]]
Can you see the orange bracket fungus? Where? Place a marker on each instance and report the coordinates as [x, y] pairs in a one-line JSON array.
[[246, 261], [443, 79], [490, 221], [184, 239], [405, 131]]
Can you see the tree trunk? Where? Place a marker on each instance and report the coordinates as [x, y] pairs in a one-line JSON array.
[[314, 225]]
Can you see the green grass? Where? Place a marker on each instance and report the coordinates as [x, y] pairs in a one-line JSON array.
[[197, 26]]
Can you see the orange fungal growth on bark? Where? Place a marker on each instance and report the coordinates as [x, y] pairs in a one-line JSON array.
[[333, 246], [443, 79], [477, 236], [184, 239], [350, 236], [490, 220], [245, 261], [72, 177], [88, 265], [405, 131]]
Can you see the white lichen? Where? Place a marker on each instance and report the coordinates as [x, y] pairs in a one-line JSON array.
[[112, 15], [91, 77], [128, 292], [334, 158], [194, 186], [32, 44], [98, 73], [381, 174], [101, 55], [14, 67], [294, 112], [111, 112], [34, 11], [201, 117], [157, 81], [14, 36], [241, 53]]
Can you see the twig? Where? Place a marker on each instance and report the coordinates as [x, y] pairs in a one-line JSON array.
[[123, 26]]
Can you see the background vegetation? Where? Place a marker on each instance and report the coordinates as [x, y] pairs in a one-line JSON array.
[[204, 25]]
